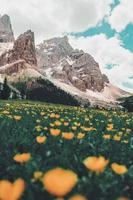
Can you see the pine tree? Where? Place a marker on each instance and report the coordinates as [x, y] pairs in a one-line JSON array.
[[6, 90]]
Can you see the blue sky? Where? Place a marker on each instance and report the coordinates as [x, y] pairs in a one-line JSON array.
[[125, 38], [126, 35], [103, 28]]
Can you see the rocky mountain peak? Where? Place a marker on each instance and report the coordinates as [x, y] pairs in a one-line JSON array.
[[51, 51], [72, 66], [23, 49], [22, 53], [6, 32]]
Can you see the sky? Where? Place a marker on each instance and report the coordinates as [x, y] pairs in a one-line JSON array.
[[103, 28]]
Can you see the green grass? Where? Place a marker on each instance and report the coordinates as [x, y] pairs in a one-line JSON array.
[[20, 136]]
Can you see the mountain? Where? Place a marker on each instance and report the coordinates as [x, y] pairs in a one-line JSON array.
[[20, 60], [75, 71], [71, 70], [6, 33], [74, 67]]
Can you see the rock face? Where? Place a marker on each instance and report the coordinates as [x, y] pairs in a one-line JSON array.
[[23, 52], [60, 61], [6, 33], [51, 51]]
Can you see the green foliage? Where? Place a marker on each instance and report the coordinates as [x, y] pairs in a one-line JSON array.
[[5, 93], [127, 103], [22, 87], [46, 91], [20, 136]]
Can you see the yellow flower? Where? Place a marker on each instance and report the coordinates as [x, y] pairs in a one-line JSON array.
[[55, 132], [106, 136], [59, 182], [21, 158], [42, 113], [68, 136], [52, 115], [120, 133], [37, 175], [52, 125], [17, 118], [77, 197], [117, 138], [11, 191], [80, 135], [38, 128], [125, 141], [119, 169], [74, 128], [96, 164], [41, 139], [88, 128], [6, 112]]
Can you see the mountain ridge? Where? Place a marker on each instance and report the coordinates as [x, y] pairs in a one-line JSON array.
[[70, 69]]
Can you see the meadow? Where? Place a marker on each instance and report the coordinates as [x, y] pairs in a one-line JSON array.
[[55, 152]]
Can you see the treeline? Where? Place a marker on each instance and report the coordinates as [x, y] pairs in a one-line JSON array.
[[127, 103], [44, 90], [5, 90]]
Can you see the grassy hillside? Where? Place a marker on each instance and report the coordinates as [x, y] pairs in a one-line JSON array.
[[61, 151]]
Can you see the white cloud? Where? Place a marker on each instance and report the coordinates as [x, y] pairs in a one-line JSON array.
[[50, 18], [108, 51], [122, 15]]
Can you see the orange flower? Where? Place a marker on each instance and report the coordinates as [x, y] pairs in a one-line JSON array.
[[110, 127], [55, 132], [78, 124], [11, 191], [68, 136], [96, 164], [59, 181], [52, 115], [66, 123], [41, 139], [57, 123], [21, 158], [78, 197], [57, 116], [122, 198], [80, 135], [119, 169], [17, 118]]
